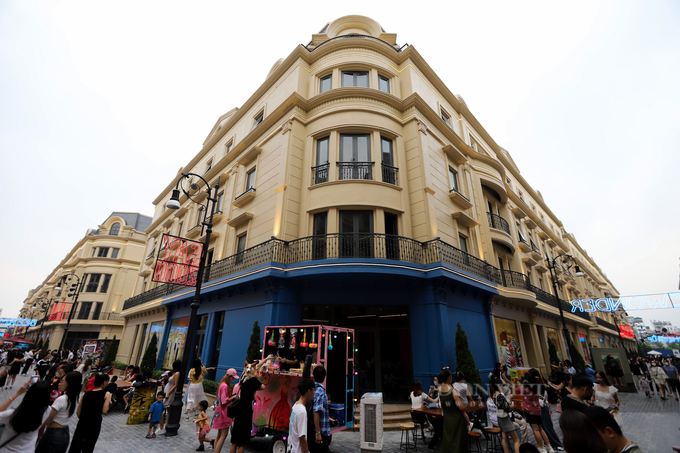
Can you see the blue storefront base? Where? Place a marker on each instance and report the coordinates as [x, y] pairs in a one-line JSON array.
[[437, 297]]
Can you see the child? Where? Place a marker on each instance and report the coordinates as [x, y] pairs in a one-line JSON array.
[[297, 428], [203, 426], [155, 415], [644, 385]]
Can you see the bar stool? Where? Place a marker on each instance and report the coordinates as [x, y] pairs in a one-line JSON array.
[[407, 428], [494, 444], [473, 439], [419, 421]]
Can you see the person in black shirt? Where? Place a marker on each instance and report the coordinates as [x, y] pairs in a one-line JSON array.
[[582, 391], [90, 409], [295, 359]]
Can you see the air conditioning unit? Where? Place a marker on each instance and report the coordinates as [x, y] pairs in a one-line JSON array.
[[371, 426]]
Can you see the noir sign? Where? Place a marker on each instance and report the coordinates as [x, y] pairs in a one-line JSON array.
[[179, 265]]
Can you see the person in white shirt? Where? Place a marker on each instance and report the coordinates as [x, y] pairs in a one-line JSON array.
[[23, 423], [297, 429], [56, 436]]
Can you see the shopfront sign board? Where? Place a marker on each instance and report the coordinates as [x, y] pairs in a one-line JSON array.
[[180, 263]]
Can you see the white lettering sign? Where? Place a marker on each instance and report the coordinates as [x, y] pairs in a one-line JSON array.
[[608, 304]]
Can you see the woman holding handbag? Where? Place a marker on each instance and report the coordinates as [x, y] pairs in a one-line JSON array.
[[221, 421]]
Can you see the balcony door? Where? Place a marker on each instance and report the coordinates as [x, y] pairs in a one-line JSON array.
[[391, 236], [355, 156], [356, 234], [319, 239]]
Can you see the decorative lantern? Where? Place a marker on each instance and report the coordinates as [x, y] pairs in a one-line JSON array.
[[271, 341], [282, 338], [293, 339], [304, 340], [330, 343], [313, 344]]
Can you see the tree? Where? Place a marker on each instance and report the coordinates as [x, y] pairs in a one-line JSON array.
[[253, 352], [576, 358], [149, 359], [39, 344], [45, 348], [465, 362], [552, 352], [111, 352]]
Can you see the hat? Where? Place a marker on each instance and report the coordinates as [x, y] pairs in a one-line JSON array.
[[232, 372]]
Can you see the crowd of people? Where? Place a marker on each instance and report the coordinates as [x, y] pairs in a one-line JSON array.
[[587, 401]]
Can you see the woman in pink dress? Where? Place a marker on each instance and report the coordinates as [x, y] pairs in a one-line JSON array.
[[220, 420]]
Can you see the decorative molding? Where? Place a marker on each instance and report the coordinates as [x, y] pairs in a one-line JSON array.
[[286, 126], [429, 190], [422, 127]]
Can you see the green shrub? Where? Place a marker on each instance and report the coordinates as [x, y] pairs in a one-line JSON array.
[[253, 352], [110, 354], [118, 365], [576, 358], [148, 364], [465, 361], [157, 374], [210, 386]]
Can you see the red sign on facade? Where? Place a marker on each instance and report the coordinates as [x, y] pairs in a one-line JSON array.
[[180, 263], [59, 312], [626, 331]]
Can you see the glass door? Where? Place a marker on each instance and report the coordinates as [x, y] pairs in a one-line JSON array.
[[356, 234], [391, 237]]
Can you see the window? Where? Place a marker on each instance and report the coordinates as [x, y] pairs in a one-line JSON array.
[[240, 248], [321, 169], [383, 84], [199, 216], [520, 235], [97, 310], [114, 253], [446, 117], [355, 157], [319, 232], [179, 228], [250, 180], [85, 308], [258, 119], [94, 251], [208, 166], [144, 284], [103, 252], [521, 195], [325, 83], [462, 240], [105, 284], [453, 180], [220, 200], [355, 79], [389, 172], [230, 145], [533, 208], [115, 228], [93, 284]]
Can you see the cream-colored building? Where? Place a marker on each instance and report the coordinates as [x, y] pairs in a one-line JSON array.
[[106, 262], [355, 185]]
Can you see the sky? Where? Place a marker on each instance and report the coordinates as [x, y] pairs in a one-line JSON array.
[[101, 103]]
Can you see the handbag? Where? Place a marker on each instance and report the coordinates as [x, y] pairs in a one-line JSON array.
[[233, 408]]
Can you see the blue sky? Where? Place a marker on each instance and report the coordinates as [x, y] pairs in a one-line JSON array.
[[583, 95]]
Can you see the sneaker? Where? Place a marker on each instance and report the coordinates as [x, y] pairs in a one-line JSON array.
[[200, 448], [160, 432], [148, 436]]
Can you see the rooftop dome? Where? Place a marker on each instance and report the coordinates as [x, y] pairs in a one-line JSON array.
[[348, 25]]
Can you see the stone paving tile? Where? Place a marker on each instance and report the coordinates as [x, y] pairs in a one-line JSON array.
[[650, 422]]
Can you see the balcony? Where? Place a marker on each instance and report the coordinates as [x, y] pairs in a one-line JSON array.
[[245, 197], [500, 230], [320, 173], [498, 222], [524, 245], [122, 234], [194, 231], [150, 256], [460, 199], [351, 246], [607, 324], [355, 170], [389, 174]]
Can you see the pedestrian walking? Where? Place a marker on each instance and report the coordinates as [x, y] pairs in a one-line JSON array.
[[28, 361], [635, 369], [456, 421], [56, 432], [90, 409], [14, 367], [322, 422], [503, 415], [221, 420], [644, 385], [243, 423], [672, 381], [23, 423], [659, 377], [530, 392], [195, 393], [169, 391], [606, 396], [203, 426], [297, 428], [155, 413]]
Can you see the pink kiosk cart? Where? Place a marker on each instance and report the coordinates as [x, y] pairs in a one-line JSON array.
[[330, 346]]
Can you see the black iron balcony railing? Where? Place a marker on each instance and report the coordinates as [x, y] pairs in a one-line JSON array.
[[355, 35], [534, 247], [151, 254], [340, 246], [355, 170], [389, 174], [498, 222], [459, 193], [320, 173], [607, 324], [249, 190]]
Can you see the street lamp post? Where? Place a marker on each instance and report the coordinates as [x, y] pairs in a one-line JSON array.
[[74, 290], [45, 306], [176, 406], [552, 263]]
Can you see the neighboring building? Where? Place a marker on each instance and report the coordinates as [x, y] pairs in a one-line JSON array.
[[658, 327], [107, 261], [356, 189]]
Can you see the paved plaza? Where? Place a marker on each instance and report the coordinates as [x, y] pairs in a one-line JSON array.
[[650, 422]]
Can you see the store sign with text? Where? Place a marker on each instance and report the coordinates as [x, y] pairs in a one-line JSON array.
[[180, 262], [20, 322], [608, 304], [59, 312], [626, 332]]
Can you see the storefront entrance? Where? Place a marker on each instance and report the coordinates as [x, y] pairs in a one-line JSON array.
[[383, 347]]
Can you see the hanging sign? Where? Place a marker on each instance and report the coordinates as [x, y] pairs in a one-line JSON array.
[[180, 263], [608, 304]]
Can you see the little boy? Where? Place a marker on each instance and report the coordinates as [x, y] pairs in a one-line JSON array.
[[155, 415], [644, 385]]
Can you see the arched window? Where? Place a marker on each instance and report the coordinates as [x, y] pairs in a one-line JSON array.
[[115, 228]]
